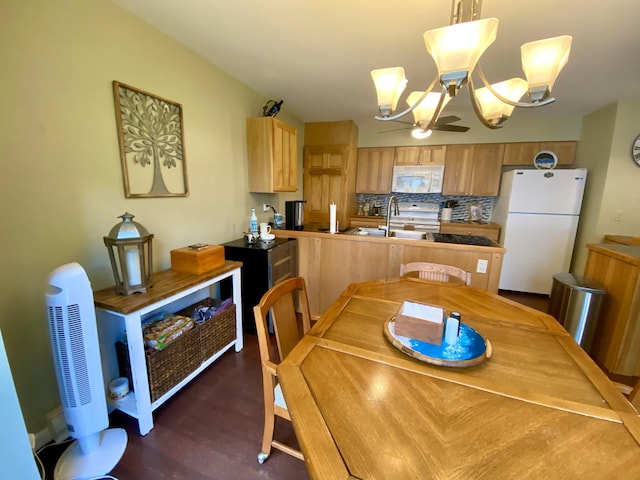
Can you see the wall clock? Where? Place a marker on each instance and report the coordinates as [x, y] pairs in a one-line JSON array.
[[635, 150]]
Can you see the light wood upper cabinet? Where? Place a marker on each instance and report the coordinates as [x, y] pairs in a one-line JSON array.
[[272, 154], [487, 169], [457, 170], [522, 153], [421, 155], [374, 171], [473, 169]]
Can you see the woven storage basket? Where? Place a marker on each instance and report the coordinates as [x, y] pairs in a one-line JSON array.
[[173, 363], [167, 367], [216, 332]]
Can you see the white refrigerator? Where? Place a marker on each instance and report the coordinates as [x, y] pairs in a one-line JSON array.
[[538, 211]]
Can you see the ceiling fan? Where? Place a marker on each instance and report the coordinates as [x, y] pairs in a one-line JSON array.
[[443, 124]]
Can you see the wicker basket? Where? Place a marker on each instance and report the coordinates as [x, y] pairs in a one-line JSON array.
[[167, 367], [216, 332]]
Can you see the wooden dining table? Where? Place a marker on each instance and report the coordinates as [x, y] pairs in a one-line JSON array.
[[538, 408]]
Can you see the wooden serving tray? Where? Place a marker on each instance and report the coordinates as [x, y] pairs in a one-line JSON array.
[[471, 349]]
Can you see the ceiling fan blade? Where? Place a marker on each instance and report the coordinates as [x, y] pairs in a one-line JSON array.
[[447, 119], [403, 121], [450, 128], [396, 129]]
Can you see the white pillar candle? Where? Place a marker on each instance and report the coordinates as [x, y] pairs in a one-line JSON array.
[[332, 218], [451, 330], [133, 266]]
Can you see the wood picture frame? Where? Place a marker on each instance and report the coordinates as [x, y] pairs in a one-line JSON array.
[[151, 138]]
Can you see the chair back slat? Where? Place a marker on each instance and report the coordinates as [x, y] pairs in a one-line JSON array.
[[436, 272]]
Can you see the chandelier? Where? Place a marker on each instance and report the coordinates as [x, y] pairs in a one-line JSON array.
[[456, 50]]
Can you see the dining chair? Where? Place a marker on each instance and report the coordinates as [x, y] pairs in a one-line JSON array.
[[436, 272], [631, 392], [280, 301]]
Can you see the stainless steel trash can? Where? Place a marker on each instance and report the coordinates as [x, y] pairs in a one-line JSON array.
[[575, 302]]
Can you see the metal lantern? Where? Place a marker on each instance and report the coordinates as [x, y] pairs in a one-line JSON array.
[[129, 246]]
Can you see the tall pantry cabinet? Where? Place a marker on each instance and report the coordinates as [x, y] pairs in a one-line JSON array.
[[330, 158]]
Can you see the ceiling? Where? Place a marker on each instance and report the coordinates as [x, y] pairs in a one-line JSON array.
[[317, 54]]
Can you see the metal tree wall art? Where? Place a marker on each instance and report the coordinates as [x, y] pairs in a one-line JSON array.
[[150, 132]]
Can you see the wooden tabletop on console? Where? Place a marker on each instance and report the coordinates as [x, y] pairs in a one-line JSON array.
[[165, 284]]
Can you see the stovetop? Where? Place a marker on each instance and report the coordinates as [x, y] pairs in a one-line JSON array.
[[463, 239]]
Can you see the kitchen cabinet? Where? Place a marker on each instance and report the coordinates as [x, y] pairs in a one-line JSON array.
[[330, 159], [522, 153], [330, 263], [473, 169], [489, 230], [374, 170], [172, 291], [616, 342], [272, 155], [421, 155]]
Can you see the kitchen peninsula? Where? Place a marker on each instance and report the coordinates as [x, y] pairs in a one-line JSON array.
[[331, 262]]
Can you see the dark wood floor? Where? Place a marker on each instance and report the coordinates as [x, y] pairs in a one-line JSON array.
[[212, 428]]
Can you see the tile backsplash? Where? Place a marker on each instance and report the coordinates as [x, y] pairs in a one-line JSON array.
[[459, 212]]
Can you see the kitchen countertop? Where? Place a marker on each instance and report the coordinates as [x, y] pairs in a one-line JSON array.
[[625, 253], [437, 238], [258, 245], [472, 224]]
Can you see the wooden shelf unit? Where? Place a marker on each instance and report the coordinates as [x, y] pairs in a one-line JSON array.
[[119, 314]]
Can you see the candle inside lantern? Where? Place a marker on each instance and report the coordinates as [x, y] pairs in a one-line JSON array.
[[133, 266]]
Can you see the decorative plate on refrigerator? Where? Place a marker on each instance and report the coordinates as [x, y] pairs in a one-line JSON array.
[[545, 160]]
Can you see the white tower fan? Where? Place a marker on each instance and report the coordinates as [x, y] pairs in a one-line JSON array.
[[76, 356]]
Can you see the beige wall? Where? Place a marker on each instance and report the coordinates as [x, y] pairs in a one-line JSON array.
[[61, 175], [612, 185]]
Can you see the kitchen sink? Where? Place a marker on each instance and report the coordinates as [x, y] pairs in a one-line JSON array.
[[380, 232], [408, 234], [376, 232]]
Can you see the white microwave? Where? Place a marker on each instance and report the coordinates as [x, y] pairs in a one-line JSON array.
[[417, 178]]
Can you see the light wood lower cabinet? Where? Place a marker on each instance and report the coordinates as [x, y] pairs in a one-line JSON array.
[[329, 263], [616, 343]]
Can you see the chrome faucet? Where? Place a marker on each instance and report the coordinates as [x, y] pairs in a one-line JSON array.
[[392, 199]]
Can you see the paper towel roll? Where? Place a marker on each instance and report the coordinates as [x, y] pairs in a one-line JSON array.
[[332, 218]]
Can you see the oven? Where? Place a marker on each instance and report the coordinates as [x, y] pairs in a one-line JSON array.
[[421, 217]]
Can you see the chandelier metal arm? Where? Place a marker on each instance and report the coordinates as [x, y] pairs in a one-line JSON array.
[[478, 110], [541, 103], [408, 110]]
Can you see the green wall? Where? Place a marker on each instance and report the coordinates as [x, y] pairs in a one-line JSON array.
[[62, 188]]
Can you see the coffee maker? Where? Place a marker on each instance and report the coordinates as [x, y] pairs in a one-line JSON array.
[[294, 214]]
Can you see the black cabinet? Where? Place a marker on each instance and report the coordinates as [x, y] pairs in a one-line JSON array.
[[264, 264]]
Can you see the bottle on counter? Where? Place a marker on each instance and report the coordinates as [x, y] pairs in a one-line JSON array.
[[253, 223]]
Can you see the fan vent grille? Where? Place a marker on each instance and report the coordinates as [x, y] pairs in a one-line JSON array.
[[69, 355]]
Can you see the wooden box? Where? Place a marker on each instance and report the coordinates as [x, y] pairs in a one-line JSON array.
[[420, 321], [197, 261]]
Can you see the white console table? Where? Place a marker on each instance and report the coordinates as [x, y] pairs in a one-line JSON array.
[[171, 292]]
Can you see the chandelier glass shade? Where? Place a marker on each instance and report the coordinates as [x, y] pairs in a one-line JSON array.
[[456, 50]]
